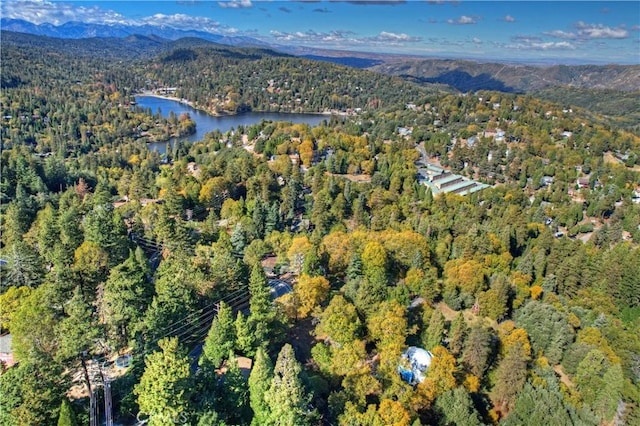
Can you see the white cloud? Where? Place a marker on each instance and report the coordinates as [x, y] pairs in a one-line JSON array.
[[561, 34], [312, 36], [476, 40], [463, 20], [235, 4], [56, 13], [535, 43], [180, 20], [591, 31], [509, 18], [344, 38], [388, 37]]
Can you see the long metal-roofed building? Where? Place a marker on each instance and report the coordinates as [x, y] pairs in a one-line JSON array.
[[440, 180]]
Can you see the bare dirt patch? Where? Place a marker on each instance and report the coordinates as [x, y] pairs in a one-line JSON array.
[[352, 178], [608, 157]]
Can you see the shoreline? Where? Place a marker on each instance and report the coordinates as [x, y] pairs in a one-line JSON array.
[[187, 102]]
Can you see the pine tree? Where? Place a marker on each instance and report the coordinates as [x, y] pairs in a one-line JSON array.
[[354, 270], [545, 404], [105, 227], [220, 340], [67, 416], [457, 335], [273, 220], [234, 393], [24, 266], [174, 299], [77, 332], [547, 327], [511, 376], [287, 399], [211, 417], [238, 240], [48, 233], [477, 350], [165, 386], [456, 408], [125, 298], [259, 217], [434, 334], [259, 383], [31, 394], [245, 342], [70, 236], [262, 316]]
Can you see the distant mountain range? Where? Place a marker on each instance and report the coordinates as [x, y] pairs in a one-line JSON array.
[[470, 75], [82, 30], [462, 75]]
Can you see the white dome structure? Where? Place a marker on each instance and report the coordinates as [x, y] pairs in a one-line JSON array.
[[414, 364]]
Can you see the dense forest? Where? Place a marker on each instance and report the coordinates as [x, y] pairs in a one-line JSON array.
[[146, 279]]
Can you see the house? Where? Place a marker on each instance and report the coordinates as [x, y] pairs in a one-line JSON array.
[[193, 169], [145, 201], [404, 131], [583, 182], [546, 180], [6, 353], [489, 133]]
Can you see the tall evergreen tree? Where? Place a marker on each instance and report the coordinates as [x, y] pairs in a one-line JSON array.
[[78, 331], [262, 315], [165, 386], [434, 334], [174, 299], [287, 399], [105, 227], [547, 327], [544, 403], [234, 393], [511, 376], [24, 266], [259, 383], [238, 240], [67, 417], [221, 338], [456, 409], [457, 335], [477, 350], [48, 233], [245, 342], [126, 295], [31, 394]]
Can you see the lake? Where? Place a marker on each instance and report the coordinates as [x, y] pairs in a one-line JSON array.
[[206, 123]]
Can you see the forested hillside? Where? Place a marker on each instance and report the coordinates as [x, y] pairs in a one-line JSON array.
[[147, 277], [473, 75], [608, 90]]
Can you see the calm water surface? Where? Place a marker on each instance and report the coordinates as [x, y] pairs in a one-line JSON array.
[[206, 123]]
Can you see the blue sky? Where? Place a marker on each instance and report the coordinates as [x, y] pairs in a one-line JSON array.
[[556, 31]]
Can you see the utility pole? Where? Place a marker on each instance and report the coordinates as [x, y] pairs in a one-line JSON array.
[[93, 403], [94, 415], [108, 406]]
